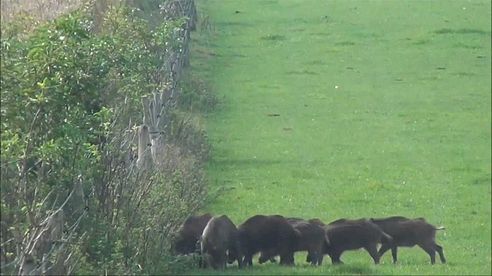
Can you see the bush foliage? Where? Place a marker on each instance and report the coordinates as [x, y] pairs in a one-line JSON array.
[[71, 98]]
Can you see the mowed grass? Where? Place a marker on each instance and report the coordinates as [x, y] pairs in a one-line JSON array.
[[332, 109]]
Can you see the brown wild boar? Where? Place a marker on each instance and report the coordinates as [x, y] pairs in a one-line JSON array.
[[219, 242], [410, 232], [354, 234], [189, 234], [272, 235]]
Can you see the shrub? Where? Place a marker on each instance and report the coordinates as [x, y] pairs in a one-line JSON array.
[[73, 200]]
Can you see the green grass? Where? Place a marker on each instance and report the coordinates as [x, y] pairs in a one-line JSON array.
[[353, 109]]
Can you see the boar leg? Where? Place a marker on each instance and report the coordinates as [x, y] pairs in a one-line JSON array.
[[263, 258], [248, 260], [235, 254], [372, 249], [206, 262], [240, 261], [286, 255], [201, 262], [314, 257], [267, 255], [287, 258], [429, 248], [239, 258], [385, 247], [320, 258], [214, 264], [308, 258], [441, 254], [335, 257], [286, 252], [394, 251], [223, 260], [223, 264]]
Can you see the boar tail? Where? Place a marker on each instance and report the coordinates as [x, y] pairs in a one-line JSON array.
[[440, 228]]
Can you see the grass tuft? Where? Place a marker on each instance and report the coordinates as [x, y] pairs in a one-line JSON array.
[[462, 31], [273, 37]]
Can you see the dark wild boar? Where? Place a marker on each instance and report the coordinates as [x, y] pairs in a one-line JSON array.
[[312, 239], [219, 242], [189, 234], [272, 235], [354, 234], [410, 232]]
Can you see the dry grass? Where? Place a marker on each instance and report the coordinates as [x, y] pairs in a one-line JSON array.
[[37, 10], [34, 12]]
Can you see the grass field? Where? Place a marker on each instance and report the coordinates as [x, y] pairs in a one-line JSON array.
[[333, 109]]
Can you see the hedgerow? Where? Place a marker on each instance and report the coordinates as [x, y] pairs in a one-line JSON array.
[[73, 199]]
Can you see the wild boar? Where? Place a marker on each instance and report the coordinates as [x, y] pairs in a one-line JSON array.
[[273, 235], [219, 242], [189, 234], [312, 239], [410, 232], [354, 234]]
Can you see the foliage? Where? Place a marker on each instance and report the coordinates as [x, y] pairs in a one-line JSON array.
[[68, 96]]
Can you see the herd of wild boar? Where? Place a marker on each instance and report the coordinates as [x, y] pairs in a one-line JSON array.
[[219, 241]]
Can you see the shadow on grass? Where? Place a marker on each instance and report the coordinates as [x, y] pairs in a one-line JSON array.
[[234, 24], [353, 269], [303, 72], [485, 180], [466, 46], [268, 2], [345, 43], [421, 42], [461, 31], [246, 162]]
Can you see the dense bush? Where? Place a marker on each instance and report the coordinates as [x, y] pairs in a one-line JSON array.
[[70, 104]]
